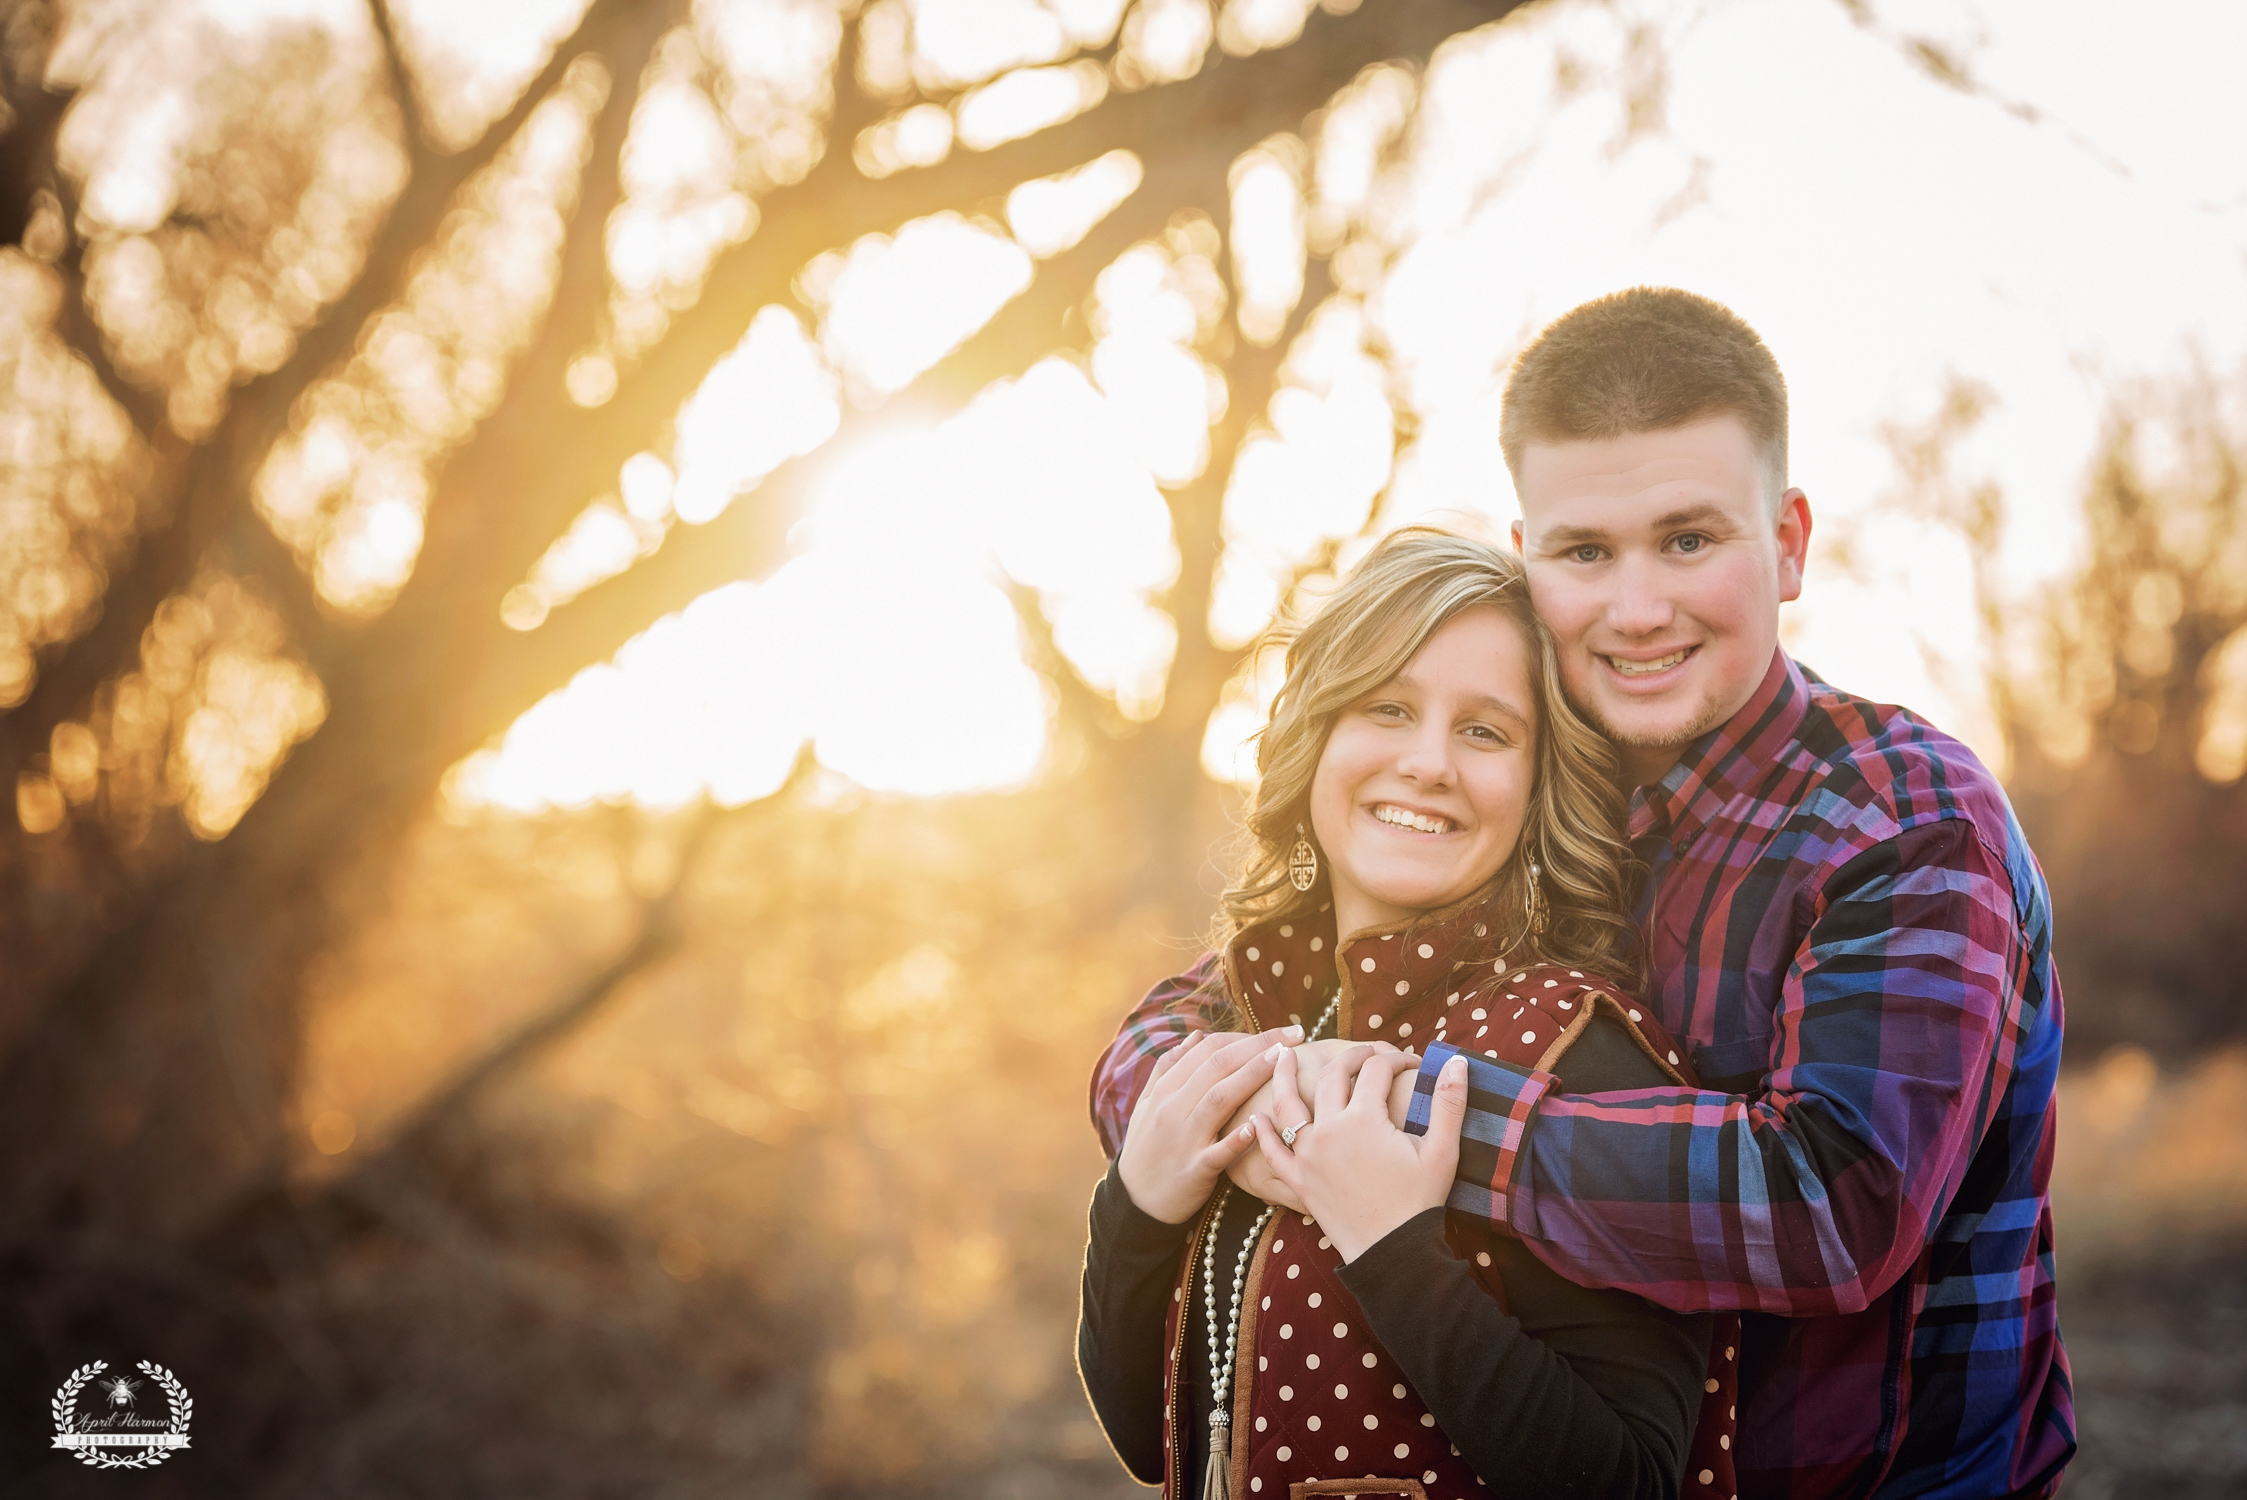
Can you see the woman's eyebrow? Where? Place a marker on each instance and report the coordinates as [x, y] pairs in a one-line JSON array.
[[1501, 709]]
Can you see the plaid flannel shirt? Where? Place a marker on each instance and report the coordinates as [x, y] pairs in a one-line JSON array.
[[1847, 928]]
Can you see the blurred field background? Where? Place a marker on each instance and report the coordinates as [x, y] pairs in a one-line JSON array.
[[625, 631]]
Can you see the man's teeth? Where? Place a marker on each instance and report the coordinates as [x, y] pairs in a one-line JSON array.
[[1648, 668], [1404, 818]]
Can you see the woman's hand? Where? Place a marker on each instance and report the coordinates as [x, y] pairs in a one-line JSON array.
[[1178, 1142], [1351, 1168], [1251, 1173]]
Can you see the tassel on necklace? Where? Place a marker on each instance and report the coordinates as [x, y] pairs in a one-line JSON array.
[[1217, 1478]]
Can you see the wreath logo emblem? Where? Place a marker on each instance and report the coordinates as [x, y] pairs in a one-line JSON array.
[[105, 1428]]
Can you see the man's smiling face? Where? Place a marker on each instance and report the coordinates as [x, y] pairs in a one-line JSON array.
[[1658, 563]]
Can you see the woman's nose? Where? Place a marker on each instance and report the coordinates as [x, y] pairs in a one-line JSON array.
[[1426, 757]]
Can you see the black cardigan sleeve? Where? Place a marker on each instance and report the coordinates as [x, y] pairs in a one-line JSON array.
[[1130, 1267], [1601, 1396]]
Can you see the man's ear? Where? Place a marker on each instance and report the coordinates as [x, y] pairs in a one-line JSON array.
[[1517, 536], [1794, 542]]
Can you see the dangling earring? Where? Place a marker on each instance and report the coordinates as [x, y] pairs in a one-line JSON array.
[[1302, 862], [1533, 901]]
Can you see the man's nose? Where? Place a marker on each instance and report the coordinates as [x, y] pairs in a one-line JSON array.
[[1639, 603]]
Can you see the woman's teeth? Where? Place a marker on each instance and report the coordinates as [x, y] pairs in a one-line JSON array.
[[1648, 668], [1404, 818]]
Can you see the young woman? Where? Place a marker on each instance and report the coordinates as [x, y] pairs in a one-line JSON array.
[[1435, 855]]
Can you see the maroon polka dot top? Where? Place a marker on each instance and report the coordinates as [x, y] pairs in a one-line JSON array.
[[1317, 1405]]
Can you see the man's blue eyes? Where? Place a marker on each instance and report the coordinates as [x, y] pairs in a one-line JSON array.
[[1689, 543]]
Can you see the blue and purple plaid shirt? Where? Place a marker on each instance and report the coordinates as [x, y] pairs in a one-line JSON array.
[[1847, 927]]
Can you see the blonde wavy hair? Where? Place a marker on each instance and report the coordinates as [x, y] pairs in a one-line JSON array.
[[1407, 588]]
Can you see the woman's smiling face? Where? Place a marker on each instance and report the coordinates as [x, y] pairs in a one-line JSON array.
[[1420, 794]]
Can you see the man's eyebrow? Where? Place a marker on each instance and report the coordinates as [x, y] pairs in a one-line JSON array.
[[1705, 514]]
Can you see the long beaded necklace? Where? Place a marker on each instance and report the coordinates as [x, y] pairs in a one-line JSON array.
[[1216, 1479]]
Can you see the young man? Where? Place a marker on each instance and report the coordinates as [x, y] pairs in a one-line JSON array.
[[1840, 913]]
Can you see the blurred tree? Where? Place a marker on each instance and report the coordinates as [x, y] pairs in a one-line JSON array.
[[316, 345], [2121, 691]]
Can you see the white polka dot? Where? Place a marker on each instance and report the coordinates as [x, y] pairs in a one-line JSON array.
[[1367, 965], [1482, 1257], [1313, 1424], [1290, 932], [1490, 1054], [1529, 1036], [1293, 1272], [1278, 967], [1636, 1016], [1402, 1449], [1732, 1411], [1371, 1421], [1267, 1304], [1370, 1360], [1259, 1424], [1727, 1351], [1255, 1483], [1482, 1031], [1341, 1393], [1481, 930], [1307, 1219], [1397, 1390], [1572, 973], [1278, 1246], [1404, 986], [1312, 1361], [1374, 1022], [1287, 1331], [1285, 1454], [1477, 1014], [1306, 981], [1427, 1419], [1324, 1242], [1340, 1454], [1341, 1330], [1429, 1477], [1314, 1299], [1174, 1294], [1724, 1441], [1405, 1029], [1708, 1476], [1673, 1058], [1287, 1393], [1253, 955], [1518, 978], [1708, 1385], [1552, 984], [1262, 1363], [1426, 951], [1317, 944]]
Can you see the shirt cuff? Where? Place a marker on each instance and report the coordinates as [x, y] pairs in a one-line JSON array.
[[1129, 1229], [1500, 1100]]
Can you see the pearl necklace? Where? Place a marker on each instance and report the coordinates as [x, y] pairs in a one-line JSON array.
[[1216, 1480]]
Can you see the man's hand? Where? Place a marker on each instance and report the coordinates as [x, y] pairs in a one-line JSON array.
[[1250, 1172], [1351, 1168], [1179, 1143]]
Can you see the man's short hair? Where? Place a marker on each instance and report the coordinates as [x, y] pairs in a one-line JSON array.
[[1645, 360]]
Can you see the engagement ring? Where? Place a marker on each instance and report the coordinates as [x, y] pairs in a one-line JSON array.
[[1288, 1133]]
